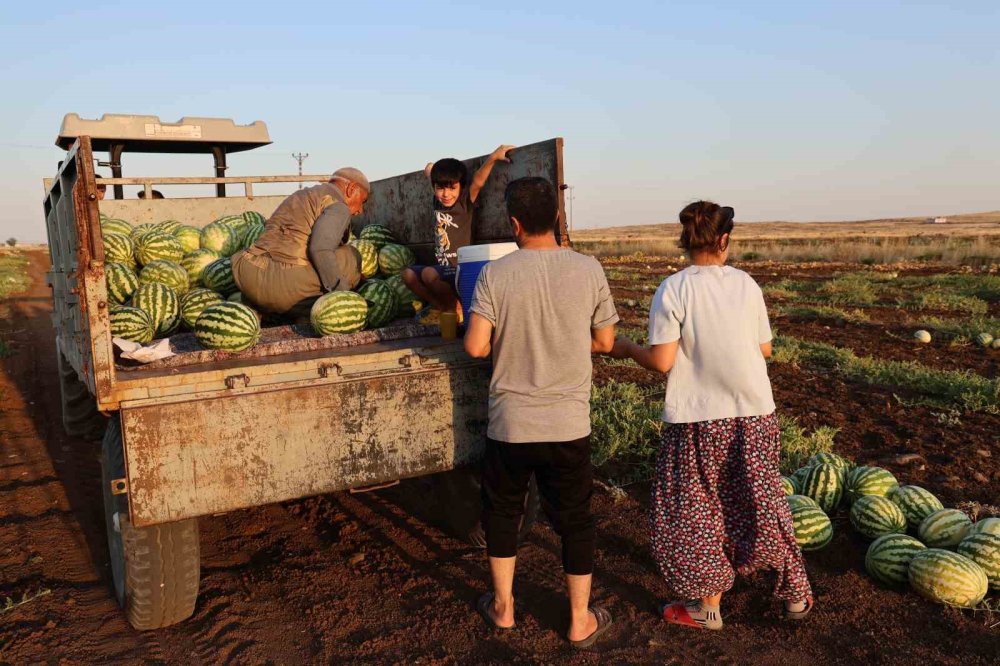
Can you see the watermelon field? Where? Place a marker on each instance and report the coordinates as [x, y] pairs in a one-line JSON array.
[[375, 578]]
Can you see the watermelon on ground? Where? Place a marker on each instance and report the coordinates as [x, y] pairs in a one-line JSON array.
[[798, 478], [130, 323], [874, 516], [945, 528], [121, 282], [823, 484], [947, 578], [984, 550], [194, 302], [162, 305], [339, 312], [826, 457], [189, 237], [227, 326], [382, 305], [218, 276], [866, 480], [986, 526], [156, 245], [795, 501], [165, 272], [392, 258], [787, 486], [813, 529], [915, 502], [888, 558]]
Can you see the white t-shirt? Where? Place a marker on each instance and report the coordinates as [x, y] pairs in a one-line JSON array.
[[718, 314]]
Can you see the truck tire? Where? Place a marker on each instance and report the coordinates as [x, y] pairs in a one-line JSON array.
[[155, 570], [459, 495], [79, 409]]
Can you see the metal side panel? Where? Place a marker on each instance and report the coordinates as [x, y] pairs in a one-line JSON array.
[[195, 458]]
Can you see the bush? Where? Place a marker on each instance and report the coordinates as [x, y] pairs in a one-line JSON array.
[[797, 447], [11, 242], [625, 428]]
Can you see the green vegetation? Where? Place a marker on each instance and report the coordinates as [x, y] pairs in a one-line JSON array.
[[797, 447], [947, 388], [849, 289], [937, 298], [13, 274], [960, 330], [626, 426], [824, 312]]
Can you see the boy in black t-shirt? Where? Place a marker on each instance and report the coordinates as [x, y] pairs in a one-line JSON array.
[[454, 219]]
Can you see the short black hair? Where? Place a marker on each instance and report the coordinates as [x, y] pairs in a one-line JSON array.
[[448, 171], [534, 203]]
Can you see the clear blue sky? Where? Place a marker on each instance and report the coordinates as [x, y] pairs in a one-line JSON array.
[[785, 110]]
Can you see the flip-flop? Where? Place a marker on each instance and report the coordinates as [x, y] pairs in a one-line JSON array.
[[677, 613], [603, 622], [800, 615], [484, 605]]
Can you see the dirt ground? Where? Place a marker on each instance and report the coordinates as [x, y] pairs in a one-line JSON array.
[[372, 578]]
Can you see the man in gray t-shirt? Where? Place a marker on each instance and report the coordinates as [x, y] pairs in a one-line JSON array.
[[540, 312]]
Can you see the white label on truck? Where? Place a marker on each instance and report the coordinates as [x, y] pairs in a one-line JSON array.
[[173, 131]]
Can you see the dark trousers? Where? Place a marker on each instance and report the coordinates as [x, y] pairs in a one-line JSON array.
[[565, 480]]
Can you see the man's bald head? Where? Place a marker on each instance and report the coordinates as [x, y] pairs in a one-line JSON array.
[[354, 176], [355, 186]]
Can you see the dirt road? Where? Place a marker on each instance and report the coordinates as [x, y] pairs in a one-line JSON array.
[[372, 579]]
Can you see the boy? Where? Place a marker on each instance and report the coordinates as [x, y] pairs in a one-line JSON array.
[[540, 312], [454, 211]]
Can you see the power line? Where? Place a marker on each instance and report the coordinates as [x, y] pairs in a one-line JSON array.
[[300, 158]]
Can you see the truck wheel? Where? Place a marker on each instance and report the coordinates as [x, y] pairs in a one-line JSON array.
[[459, 495], [155, 570], [79, 410]]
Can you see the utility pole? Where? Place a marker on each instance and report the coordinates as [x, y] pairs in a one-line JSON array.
[[571, 197], [300, 158]]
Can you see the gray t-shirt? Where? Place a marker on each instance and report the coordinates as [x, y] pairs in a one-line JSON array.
[[543, 305]]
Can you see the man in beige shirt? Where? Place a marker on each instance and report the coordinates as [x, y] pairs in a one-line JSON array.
[[302, 252]]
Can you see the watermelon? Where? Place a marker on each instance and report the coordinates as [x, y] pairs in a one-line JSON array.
[[161, 304], [121, 282], [392, 258], [227, 326], [114, 225], [195, 264], [382, 305], [984, 550], [220, 238], [888, 558], [253, 217], [339, 312], [915, 502], [118, 248], [369, 257], [131, 323], [156, 245], [237, 223], [377, 234], [235, 297], [787, 486], [944, 528], [189, 237], [406, 299], [165, 272], [194, 302], [874, 516], [984, 339], [922, 336], [798, 477], [822, 483], [995, 344], [796, 501], [865, 480], [986, 526], [825, 457], [251, 235], [218, 276], [813, 529], [141, 230], [947, 578], [168, 226]]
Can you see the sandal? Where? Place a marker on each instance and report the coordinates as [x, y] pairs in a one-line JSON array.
[[799, 615], [604, 621], [677, 613], [485, 608]]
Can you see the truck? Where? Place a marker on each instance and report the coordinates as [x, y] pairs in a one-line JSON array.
[[208, 432]]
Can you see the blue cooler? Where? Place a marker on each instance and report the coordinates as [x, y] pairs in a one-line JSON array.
[[471, 260]]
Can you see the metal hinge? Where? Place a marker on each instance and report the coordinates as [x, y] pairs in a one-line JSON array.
[[233, 380], [411, 360], [119, 486], [325, 368]]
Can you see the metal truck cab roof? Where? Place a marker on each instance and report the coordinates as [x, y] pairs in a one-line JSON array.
[[148, 134]]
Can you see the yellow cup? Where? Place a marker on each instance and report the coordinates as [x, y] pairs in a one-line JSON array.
[[449, 325]]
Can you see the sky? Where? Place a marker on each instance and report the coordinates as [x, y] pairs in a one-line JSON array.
[[784, 110]]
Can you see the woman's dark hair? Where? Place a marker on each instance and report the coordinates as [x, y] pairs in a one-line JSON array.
[[704, 223], [448, 171]]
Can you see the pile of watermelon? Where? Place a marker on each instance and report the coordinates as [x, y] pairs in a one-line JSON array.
[[164, 276], [950, 560]]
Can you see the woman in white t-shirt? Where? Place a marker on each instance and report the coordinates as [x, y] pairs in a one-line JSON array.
[[717, 503]]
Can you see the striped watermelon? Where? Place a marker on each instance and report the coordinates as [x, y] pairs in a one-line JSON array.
[[196, 262], [114, 225], [787, 486], [253, 217], [947, 578], [826, 457], [798, 477], [382, 304], [377, 234], [888, 558], [189, 238], [235, 297], [131, 323], [822, 483], [156, 245], [251, 234], [865, 480], [984, 550], [121, 282], [796, 501], [916, 503], [986, 526], [227, 326], [141, 230], [165, 272], [874, 516], [118, 248], [339, 312], [392, 258], [218, 276], [237, 223], [944, 528], [407, 300], [220, 238], [194, 302], [168, 226], [369, 257], [813, 529], [161, 304]]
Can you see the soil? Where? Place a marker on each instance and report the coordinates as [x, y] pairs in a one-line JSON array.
[[373, 578]]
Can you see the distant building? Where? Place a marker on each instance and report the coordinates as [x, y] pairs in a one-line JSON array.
[[937, 220]]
